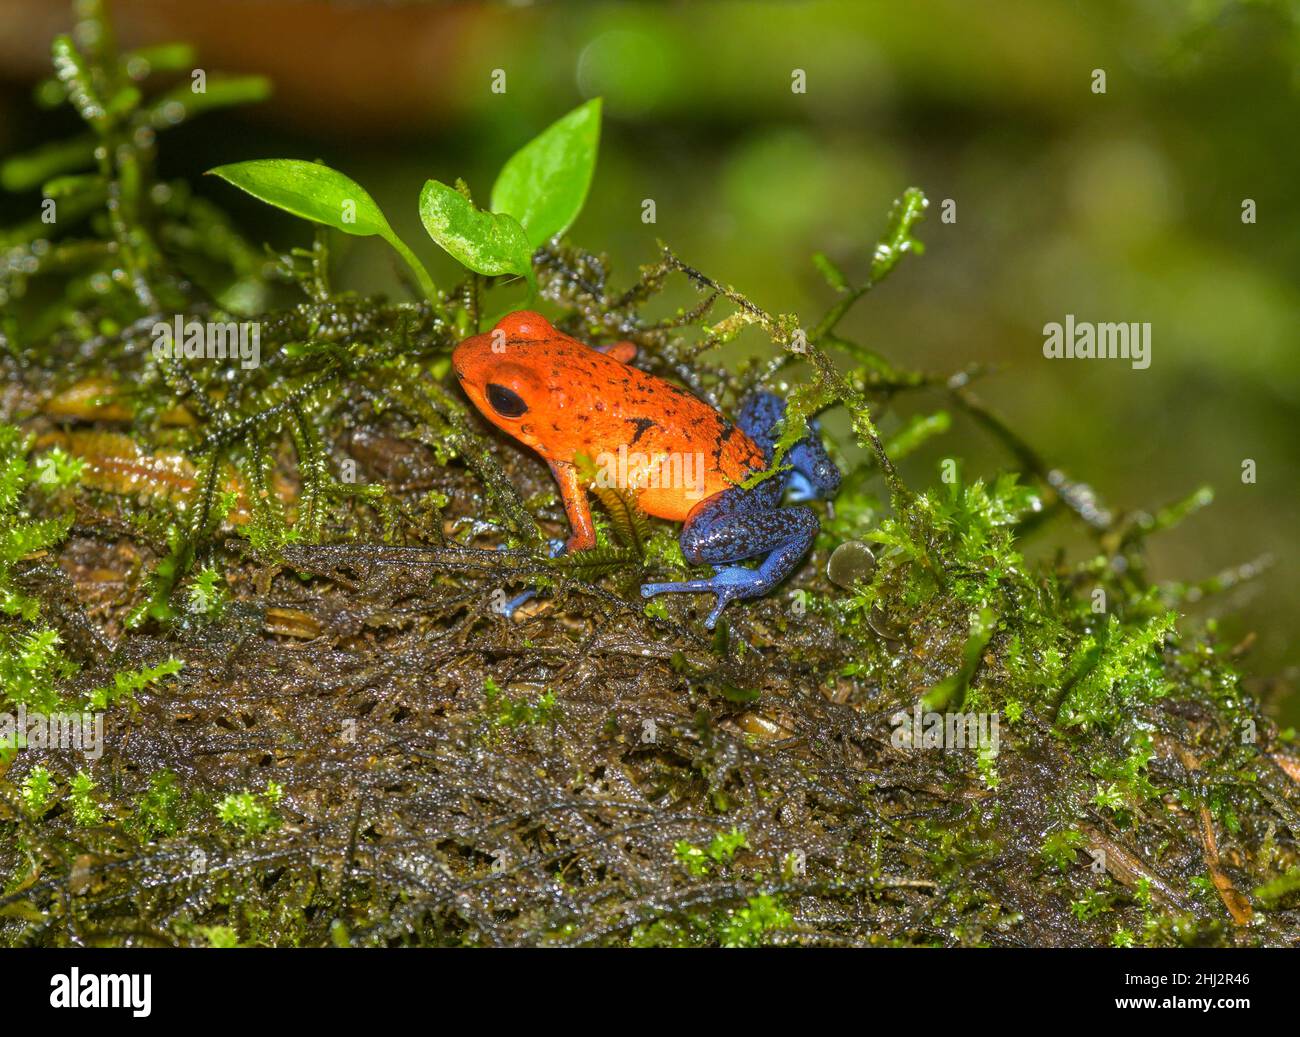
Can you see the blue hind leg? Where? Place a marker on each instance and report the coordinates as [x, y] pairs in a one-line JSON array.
[[739, 524], [735, 525]]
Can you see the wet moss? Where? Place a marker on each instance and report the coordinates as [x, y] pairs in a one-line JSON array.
[[279, 588]]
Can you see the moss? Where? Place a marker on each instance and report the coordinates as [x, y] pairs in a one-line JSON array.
[[285, 582]]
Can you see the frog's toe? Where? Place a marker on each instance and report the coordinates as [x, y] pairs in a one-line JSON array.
[[649, 590], [711, 620], [555, 548], [510, 607], [727, 584]]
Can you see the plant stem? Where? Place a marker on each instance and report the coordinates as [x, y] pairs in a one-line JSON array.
[[427, 286]]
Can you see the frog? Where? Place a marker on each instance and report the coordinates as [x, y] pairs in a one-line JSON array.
[[678, 456]]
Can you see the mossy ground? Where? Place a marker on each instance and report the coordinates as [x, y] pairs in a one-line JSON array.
[[356, 748]]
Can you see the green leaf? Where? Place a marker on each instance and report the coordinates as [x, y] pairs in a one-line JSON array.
[[181, 103], [316, 192], [489, 243], [833, 274], [544, 184], [310, 190], [907, 213], [74, 72], [31, 169]]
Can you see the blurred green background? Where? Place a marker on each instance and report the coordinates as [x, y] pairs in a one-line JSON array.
[[1122, 206]]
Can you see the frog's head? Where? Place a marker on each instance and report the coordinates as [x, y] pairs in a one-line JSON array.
[[501, 372]]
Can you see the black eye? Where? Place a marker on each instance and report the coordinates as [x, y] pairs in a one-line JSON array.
[[506, 402]]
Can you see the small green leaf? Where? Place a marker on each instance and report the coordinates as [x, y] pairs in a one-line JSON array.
[[310, 190], [833, 274], [544, 184], [74, 72], [316, 192], [489, 243], [29, 170]]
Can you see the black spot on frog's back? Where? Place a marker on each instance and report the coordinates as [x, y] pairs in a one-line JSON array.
[[642, 425]]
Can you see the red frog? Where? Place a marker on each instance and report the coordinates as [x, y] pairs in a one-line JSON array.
[[682, 460]]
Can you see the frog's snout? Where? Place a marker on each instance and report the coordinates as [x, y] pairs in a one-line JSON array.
[[467, 358]]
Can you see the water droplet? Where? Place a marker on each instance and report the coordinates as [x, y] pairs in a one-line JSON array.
[[850, 564]]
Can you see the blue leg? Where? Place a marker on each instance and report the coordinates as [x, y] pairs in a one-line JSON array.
[[735, 525]]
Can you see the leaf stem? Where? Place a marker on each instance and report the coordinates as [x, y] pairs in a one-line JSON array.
[[427, 286]]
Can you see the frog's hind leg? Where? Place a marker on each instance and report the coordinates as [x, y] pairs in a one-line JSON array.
[[813, 473], [735, 525]]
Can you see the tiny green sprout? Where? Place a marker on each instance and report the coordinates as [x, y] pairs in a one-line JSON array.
[[692, 858], [1108, 797], [1090, 905], [127, 683], [219, 935], [207, 593], [86, 810], [1123, 938], [38, 791], [792, 865], [1272, 893], [655, 609], [226, 502], [721, 849], [725, 844], [56, 469], [158, 810], [251, 813], [987, 763], [1059, 848], [19, 535], [747, 926], [504, 711], [31, 667]]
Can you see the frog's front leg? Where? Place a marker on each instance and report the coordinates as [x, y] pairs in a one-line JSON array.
[[813, 474], [735, 525], [576, 507], [582, 529]]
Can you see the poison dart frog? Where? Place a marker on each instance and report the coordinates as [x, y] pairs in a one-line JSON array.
[[680, 458]]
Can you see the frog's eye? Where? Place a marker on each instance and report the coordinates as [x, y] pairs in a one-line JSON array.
[[506, 402]]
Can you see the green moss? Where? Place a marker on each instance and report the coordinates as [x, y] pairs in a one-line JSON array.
[[348, 523], [252, 813]]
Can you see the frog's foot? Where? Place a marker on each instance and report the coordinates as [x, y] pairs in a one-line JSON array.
[[509, 608], [728, 583]]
